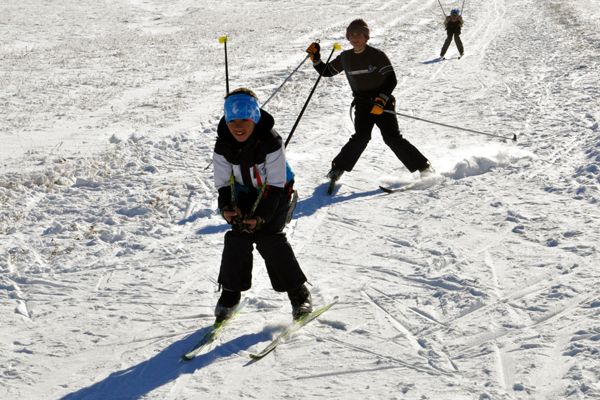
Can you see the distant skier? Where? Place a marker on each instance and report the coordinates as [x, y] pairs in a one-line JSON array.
[[372, 80], [249, 159], [453, 24]]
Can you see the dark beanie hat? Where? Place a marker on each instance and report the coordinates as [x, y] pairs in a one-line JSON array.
[[358, 25]]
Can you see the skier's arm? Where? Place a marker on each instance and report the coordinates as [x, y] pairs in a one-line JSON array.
[[327, 70], [388, 84], [222, 173], [389, 78], [333, 68], [275, 185], [272, 197]]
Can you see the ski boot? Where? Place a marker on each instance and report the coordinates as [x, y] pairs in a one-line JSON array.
[[334, 175], [301, 302], [427, 171], [226, 304]]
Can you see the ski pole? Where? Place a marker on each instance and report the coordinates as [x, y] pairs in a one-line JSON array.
[[223, 39], [443, 12], [336, 46], [462, 9], [261, 192], [283, 83], [514, 138], [233, 200]]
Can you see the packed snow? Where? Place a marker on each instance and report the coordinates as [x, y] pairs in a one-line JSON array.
[[479, 282]]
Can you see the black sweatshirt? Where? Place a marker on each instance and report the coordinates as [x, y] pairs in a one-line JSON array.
[[369, 73]]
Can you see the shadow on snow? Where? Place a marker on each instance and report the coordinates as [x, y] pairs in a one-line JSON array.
[[138, 381], [305, 207], [433, 60], [319, 198]]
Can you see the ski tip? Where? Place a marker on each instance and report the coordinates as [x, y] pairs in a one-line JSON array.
[[386, 190], [260, 355]]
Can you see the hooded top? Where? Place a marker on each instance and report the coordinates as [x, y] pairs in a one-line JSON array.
[[261, 158]]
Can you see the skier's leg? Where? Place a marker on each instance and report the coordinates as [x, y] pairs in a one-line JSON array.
[[236, 263], [283, 268], [350, 153], [408, 154], [272, 244], [459, 44], [446, 45]]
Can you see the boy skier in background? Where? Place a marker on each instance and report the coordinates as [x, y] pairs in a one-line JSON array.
[[372, 80], [453, 24], [254, 185]]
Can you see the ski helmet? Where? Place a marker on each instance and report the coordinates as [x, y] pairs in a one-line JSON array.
[[241, 105], [455, 11]]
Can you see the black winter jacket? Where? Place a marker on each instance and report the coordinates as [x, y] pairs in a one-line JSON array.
[[260, 159]]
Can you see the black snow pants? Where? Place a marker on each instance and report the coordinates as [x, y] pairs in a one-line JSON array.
[[457, 40], [387, 123], [272, 244]]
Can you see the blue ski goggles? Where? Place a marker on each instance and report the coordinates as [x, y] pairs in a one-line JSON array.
[[242, 106]]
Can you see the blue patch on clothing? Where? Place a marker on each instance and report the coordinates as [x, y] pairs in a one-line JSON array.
[[289, 174]]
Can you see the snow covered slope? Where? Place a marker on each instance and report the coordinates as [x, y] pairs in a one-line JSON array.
[[481, 282]]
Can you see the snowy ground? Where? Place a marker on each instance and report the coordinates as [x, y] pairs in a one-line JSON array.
[[481, 282]]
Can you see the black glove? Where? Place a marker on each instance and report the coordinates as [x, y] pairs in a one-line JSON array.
[[232, 219], [314, 52], [240, 226]]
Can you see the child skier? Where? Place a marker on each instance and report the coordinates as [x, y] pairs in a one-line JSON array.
[[254, 185], [453, 24], [372, 80]]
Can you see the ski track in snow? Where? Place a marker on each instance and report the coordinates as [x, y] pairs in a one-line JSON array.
[[480, 282]]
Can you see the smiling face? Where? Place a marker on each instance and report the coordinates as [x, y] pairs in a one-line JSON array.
[[241, 129], [242, 113], [358, 41]]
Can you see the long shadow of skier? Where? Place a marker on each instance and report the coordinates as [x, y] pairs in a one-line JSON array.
[[138, 381], [305, 207], [319, 199], [433, 60]]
